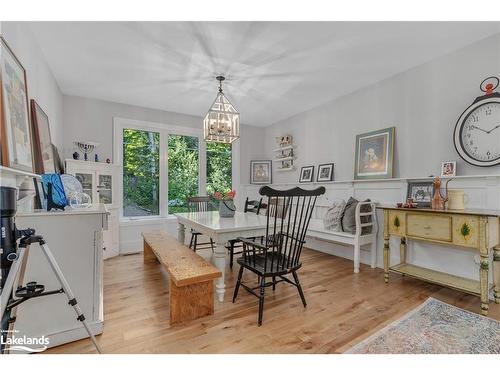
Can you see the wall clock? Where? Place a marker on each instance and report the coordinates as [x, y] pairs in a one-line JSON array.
[[477, 132]]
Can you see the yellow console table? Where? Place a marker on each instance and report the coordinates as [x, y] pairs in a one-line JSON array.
[[474, 230]]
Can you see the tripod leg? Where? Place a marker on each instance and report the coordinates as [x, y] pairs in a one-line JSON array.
[[14, 280], [67, 290], [8, 288]]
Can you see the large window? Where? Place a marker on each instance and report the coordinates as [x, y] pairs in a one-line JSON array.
[[163, 165], [219, 167], [183, 170], [141, 172]]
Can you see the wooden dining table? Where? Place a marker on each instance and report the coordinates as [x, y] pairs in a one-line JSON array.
[[221, 230]]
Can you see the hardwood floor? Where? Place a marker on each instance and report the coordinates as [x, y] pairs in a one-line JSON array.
[[343, 309]]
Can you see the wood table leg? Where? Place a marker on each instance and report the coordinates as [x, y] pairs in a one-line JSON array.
[[387, 250], [219, 260], [496, 273], [181, 233], [483, 265]]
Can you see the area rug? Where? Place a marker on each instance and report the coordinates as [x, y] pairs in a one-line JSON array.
[[435, 327]]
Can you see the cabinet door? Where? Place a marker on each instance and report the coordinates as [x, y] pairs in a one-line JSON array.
[[105, 188], [87, 181]]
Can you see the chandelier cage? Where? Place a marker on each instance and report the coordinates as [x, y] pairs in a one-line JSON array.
[[222, 122]]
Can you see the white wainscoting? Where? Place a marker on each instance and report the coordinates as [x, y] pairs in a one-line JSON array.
[[483, 192]]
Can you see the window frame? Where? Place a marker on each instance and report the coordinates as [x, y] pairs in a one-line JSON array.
[[119, 124]]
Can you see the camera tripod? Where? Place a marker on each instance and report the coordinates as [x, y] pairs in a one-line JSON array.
[[13, 294]]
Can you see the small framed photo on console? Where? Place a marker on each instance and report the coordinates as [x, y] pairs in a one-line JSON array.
[[421, 192]]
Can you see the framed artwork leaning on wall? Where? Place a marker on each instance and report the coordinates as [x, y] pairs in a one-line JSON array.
[[421, 192], [14, 120], [325, 172], [374, 154], [261, 172], [42, 143], [307, 174]]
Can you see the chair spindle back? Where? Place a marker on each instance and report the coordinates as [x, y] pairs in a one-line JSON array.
[[288, 215]]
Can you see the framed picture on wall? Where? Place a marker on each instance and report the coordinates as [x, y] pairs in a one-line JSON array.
[[261, 172], [307, 174], [43, 151], [449, 168], [15, 125], [421, 192], [325, 172], [374, 154]]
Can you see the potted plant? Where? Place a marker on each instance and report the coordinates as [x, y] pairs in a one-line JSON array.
[[226, 203]]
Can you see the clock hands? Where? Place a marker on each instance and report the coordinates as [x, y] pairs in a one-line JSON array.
[[496, 127], [478, 128]]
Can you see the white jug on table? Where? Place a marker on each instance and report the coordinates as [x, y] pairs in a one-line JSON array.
[[457, 199]]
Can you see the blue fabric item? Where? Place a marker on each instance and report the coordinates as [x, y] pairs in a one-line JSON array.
[[58, 195]]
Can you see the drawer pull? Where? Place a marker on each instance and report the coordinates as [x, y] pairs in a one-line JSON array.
[[427, 227]]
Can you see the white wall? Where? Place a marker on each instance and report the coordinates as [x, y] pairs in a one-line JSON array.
[[42, 85], [423, 104], [92, 120]]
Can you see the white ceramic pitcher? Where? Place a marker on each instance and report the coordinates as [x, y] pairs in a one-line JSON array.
[[457, 199]]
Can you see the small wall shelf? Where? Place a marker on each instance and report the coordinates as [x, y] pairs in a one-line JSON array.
[[285, 154], [6, 171], [292, 168]]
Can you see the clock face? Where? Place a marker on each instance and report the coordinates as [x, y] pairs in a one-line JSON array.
[[477, 134]]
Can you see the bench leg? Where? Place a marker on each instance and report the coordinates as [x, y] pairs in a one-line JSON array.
[[148, 254], [191, 301], [357, 254]]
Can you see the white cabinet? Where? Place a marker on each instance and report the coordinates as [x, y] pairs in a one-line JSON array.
[[74, 237], [100, 182]]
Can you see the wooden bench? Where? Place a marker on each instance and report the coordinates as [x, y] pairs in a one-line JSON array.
[[317, 230], [190, 276]]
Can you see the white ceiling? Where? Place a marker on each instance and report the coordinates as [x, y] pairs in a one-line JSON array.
[[274, 69]]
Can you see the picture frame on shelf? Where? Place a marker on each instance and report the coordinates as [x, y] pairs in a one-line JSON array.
[[15, 118], [375, 154], [307, 174], [59, 165], [421, 192], [42, 143], [449, 168], [261, 172], [325, 172]]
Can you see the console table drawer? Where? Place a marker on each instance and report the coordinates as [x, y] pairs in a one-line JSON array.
[[433, 227]]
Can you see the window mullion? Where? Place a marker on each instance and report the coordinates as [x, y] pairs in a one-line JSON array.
[[202, 167], [164, 173]]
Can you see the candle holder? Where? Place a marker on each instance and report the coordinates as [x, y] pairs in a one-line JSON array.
[[86, 147]]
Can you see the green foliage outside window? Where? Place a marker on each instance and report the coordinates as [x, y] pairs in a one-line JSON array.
[[182, 171], [219, 167], [141, 174]]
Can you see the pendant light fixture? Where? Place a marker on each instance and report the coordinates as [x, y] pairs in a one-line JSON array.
[[222, 121]]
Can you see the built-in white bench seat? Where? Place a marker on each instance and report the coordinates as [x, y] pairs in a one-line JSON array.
[[317, 230]]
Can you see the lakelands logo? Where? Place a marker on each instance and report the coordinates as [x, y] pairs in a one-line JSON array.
[[24, 343]]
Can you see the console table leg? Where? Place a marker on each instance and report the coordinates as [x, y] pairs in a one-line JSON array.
[[496, 273], [387, 250], [483, 279], [484, 264], [402, 250]]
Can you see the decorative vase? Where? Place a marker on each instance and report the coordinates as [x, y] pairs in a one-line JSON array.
[[227, 208]]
